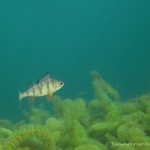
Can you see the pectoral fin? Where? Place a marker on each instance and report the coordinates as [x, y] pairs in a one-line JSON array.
[[49, 97]]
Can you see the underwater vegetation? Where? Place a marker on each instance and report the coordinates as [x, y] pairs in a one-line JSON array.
[[103, 122]]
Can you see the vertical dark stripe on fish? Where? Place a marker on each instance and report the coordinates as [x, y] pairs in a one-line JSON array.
[[52, 83], [47, 84], [40, 87]]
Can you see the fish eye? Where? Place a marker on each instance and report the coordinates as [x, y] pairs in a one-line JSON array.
[[60, 83]]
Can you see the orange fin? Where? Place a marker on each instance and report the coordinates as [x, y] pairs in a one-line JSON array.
[[31, 99], [49, 97]]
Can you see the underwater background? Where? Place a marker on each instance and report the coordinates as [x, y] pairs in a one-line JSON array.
[[71, 39]]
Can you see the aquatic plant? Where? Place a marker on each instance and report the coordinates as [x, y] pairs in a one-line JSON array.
[[73, 115], [32, 137], [103, 90], [55, 126], [69, 109], [90, 147], [78, 124], [6, 124], [4, 132], [36, 115]]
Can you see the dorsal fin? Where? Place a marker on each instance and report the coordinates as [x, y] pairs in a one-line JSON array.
[[46, 76]]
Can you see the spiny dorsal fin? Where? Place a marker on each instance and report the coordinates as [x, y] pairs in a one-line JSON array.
[[46, 76]]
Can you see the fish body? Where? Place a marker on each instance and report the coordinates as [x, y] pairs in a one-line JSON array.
[[44, 86]]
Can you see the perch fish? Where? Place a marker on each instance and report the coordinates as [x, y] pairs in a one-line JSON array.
[[44, 86]]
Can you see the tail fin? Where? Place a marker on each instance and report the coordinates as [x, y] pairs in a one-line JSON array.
[[20, 96]]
